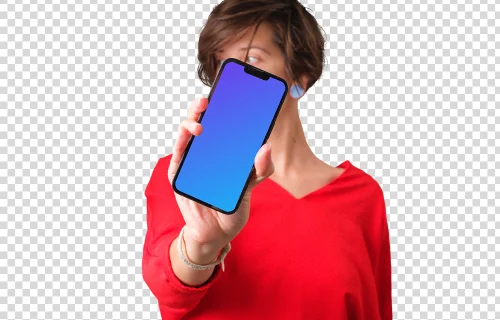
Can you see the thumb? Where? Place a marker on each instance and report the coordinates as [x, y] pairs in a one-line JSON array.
[[264, 166]]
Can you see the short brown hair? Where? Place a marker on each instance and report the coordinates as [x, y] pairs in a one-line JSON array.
[[295, 31]]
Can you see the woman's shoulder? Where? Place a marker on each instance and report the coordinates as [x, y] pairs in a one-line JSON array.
[[362, 179], [367, 185]]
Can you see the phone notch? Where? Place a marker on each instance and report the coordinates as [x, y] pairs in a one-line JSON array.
[[261, 74]]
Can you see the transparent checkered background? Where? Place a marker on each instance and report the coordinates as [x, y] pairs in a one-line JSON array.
[[91, 95]]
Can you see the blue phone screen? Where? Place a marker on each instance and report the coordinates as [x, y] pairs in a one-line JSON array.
[[240, 112]]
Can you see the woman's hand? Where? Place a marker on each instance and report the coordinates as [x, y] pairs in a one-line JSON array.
[[208, 230]]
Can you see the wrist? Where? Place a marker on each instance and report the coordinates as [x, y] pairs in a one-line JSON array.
[[200, 253]]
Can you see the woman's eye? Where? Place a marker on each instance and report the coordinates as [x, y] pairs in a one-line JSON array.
[[250, 58]]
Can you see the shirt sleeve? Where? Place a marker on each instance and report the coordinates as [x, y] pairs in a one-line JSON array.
[[164, 222], [382, 259]]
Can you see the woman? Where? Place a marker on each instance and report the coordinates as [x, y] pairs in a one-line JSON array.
[[309, 241]]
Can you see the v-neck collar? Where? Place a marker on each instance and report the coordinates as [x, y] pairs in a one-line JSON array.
[[346, 165]]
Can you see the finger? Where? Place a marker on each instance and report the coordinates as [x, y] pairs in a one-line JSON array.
[[264, 166], [196, 108], [192, 126], [186, 129], [178, 150]]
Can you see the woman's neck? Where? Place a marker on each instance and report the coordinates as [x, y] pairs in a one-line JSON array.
[[291, 153]]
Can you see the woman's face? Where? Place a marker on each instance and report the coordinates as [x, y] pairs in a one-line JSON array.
[[263, 53]]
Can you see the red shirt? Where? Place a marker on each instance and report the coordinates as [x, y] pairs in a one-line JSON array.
[[324, 256]]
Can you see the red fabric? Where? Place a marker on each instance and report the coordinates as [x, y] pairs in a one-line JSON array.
[[324, 256]]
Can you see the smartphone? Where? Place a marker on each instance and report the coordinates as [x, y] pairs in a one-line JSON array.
[[217, 165]]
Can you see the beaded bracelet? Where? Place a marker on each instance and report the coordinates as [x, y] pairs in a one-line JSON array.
[[220, 259]]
